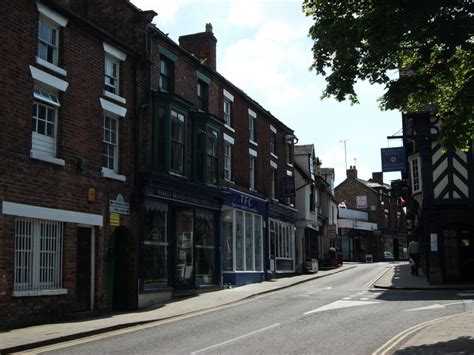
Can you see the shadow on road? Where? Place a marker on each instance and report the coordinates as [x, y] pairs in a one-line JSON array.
[[461, 345]]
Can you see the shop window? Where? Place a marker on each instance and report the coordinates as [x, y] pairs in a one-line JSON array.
[[244, 247], [282, 240], [205, 231]]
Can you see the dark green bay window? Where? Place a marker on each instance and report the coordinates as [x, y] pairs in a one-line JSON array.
[[170, 135]]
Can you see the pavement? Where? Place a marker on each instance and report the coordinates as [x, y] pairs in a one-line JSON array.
[[454, 334]]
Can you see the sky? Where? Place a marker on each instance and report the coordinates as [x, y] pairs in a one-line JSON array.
[[263, 48]]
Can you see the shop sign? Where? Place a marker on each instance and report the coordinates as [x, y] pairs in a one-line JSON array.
[[181, 197], [245, 202], [119, 205], [289, 186], [361, 201], [393, 159], [278, 211], [114, 219]]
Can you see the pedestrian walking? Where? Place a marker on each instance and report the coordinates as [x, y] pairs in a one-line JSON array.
[[414, 256]]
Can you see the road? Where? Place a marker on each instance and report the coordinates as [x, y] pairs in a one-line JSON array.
[[337, 314]]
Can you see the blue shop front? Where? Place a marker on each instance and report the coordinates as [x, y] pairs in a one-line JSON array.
[[243, 243]]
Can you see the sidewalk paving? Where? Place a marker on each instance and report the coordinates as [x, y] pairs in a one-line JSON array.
[[397, 276]]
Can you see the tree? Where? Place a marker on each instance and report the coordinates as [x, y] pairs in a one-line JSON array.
[[421, 50]]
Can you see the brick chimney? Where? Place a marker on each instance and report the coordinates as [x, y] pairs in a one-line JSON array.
[[351, 172], [377, 177], [202, 45]]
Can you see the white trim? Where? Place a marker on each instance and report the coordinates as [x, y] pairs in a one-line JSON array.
[[229, 139], [60, 20], [253, 142], [289, 173], [51, 66], [107, 173], [252, 113], [229, 128], [273, 164], [53, 214], [228, 95], [113, 108], [60, 291], [253, 152], [274, 156], [273, 129], [118, 98], [114, 52], [48, 79], [47, 158]]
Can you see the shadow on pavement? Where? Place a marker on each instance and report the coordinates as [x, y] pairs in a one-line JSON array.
[[460, 345]]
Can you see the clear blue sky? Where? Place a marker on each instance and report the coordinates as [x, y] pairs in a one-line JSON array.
[[263, 48]]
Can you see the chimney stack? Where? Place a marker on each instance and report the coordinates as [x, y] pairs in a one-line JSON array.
[[351, 172], [378, 178], [202, 45]]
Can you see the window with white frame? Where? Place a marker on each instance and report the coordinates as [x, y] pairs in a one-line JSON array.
[[110, 142], [273, 143], [252, 128], [288, 154], [44, 121], [112, 63], [228, 161], [38, 256], [243, 241], [48, 39], [282, 245], [112, 69], [228, 112], [415, 173], [252, 173], [49, 26]]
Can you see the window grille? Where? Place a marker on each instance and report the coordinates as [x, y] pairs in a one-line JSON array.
[[38, 255]]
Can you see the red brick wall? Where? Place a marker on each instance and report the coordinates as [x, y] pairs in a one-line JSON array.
[[34, 182]]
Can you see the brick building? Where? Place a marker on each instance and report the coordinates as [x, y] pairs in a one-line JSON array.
[[140, 164], [66, 150], [371, 221]]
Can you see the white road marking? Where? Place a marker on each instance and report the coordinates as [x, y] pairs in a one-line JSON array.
[[235, 339], [397, 339], [340, 304], [364, 299], [465, 294], [347, 298], [437, 306]]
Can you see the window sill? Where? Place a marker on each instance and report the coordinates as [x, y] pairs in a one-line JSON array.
[[253, 142], [274, 155], [229, 181], [252, 190], [51, 66], [229, 128], [289, 165], [115, 97], [46, 158], [59, 291], [107, 173]]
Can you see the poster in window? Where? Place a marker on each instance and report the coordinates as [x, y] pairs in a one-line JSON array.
[[361, 201]]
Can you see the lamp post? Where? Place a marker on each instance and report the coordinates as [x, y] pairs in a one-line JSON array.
[[345, 151]]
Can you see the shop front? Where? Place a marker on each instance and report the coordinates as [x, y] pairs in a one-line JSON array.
[[281, 239], [243, 244], [180, 242]]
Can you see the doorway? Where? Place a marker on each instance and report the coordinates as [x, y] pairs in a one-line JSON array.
[[85, 269]]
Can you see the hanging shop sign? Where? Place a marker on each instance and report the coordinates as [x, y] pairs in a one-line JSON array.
[[393, 159]]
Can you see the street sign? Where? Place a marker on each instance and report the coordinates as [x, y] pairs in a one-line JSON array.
[[289, 186], [119, 205]]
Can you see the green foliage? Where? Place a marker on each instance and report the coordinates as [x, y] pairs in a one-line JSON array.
[[431, 40]]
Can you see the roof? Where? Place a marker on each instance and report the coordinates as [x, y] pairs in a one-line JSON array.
[[303, 173]]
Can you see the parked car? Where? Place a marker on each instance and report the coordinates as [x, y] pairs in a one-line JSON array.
[[388, 256]]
